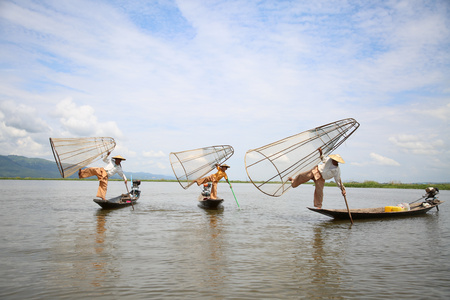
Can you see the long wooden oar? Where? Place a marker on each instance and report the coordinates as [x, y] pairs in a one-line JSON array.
[[131, 198], [417, 200], [233, 193], [345, 198]]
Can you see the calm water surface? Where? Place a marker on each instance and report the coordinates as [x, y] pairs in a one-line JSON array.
[[56, 243]]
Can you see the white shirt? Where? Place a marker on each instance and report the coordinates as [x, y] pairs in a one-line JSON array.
[[328, 170], [111, 168]]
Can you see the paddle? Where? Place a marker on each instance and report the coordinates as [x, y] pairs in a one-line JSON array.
[[233, 193], [131, 198], [345, 198], [417, 200]]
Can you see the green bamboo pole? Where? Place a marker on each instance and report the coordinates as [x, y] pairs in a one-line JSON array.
[[233, 193]]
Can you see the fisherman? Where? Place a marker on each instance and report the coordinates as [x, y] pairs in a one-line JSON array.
[[112, 167], [214, 178], [327, 170]]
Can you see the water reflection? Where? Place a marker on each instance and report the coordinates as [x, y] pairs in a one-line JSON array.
[[100, 265], [59, 247], [81, 253], [100, 231], [214, 260], [320, 260]]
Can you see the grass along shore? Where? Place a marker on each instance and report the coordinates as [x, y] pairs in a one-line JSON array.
[[365, 184], [395, 185]]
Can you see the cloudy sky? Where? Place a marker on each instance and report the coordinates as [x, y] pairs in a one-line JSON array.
[[166, 76]]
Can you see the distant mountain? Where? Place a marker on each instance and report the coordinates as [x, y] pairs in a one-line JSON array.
[[143, 175], [23, 167], [20, 166]]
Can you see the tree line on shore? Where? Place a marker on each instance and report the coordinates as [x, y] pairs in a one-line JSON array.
[[352, 184]]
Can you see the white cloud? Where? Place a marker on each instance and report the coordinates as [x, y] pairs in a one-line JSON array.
[[26, 145], [82, 121], [22, 117], [376, 159], [441, 112], [10, 132], [77, 120], [381, 160], [22, 131], [18, 142], [153, 154], [161, 166], [189, 74], [429, 145]]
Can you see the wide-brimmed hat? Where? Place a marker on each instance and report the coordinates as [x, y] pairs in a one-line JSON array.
[[119, 157], [337, 158], [225, 165]]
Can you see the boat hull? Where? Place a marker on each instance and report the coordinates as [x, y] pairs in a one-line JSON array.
[[116, 202], [208, 203], [375, 213]]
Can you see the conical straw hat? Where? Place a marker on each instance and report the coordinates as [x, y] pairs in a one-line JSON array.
[[119, 157], [337, 158]]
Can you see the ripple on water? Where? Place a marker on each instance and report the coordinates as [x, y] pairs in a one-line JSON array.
[[56, 243]]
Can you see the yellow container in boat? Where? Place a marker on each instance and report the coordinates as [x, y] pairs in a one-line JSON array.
[[393, 208], [397, 208]]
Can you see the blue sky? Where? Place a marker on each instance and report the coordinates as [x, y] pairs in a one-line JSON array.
[[163, 76]]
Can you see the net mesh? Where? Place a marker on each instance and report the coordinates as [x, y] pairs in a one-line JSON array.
[[72, 154], [270, 166], [191, 165]]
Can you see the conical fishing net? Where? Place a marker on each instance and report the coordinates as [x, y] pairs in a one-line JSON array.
[[191, 165], [270, 166], [72, 154]]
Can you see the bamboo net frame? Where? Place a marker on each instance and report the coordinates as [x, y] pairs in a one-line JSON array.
[[269, 167], [72, 154], [193, 164]]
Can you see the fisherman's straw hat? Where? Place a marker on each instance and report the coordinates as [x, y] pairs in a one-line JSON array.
[[225, 165], [119, 157], [337, 158]]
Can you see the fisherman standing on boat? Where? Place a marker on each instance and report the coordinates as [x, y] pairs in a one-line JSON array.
[[327, 170], [112, 167], [214, 178]]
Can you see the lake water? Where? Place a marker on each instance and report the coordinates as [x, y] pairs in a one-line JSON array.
[[56, 243]]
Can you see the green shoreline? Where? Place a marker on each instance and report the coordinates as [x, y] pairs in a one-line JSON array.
[[365, 184]]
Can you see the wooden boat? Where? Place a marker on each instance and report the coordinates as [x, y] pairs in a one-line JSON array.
[[204, 200], [379, 212], [123, 200], [209, 203]]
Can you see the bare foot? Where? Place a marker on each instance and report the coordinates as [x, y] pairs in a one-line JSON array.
[[290, 179]]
